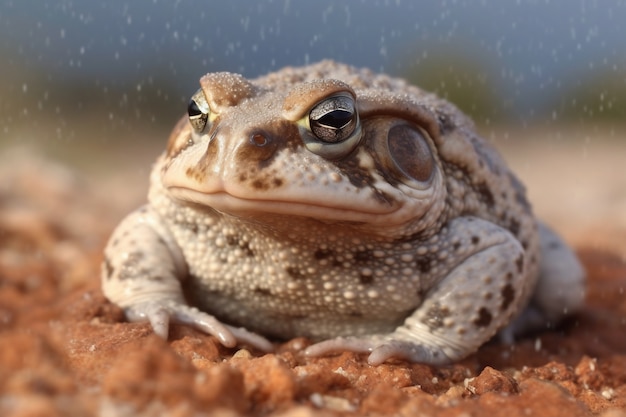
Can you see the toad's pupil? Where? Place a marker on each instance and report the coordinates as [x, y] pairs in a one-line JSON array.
[[336, 118], [193, 109]]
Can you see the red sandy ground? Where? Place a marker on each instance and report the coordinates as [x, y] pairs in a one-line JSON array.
[[66, 351]]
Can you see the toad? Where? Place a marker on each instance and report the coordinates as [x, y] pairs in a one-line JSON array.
[[340, 205]]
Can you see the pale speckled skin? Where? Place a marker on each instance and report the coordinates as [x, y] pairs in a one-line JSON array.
[[419, 246]]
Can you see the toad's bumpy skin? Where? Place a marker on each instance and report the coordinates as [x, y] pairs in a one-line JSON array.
[[344, 206]]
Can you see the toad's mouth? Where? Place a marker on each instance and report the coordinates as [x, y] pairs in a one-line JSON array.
[[326, 210]]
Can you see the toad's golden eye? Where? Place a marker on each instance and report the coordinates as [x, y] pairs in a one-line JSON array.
[[198, 111], [334, 127]]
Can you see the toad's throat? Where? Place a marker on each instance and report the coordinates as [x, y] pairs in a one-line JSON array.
[[322, 210]]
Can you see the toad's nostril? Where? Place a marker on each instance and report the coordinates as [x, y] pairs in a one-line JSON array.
[[260, 146], [259, 139]]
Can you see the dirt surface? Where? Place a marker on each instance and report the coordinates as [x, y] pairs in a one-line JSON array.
[[66, 351]]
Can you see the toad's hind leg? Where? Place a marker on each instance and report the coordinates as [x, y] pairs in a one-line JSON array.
[[466, 308], [560, 290], [561, 287]]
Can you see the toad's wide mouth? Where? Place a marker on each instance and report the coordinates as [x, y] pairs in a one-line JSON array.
[[324, 210]]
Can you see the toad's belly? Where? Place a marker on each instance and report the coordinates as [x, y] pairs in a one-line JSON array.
[[287, 317]]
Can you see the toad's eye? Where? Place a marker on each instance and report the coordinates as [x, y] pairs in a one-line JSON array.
[[334, 122], [198, 111], [334, 119]]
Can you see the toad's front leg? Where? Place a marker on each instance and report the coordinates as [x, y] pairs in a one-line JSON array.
[[464, 310], [142, 272]]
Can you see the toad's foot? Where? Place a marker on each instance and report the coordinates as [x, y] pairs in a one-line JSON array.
[[161, 313], [379, 347]]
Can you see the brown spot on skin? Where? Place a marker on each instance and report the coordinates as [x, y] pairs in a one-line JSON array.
[[484, 318], [514, 226], [475, 240], [456, 245], [436, 315], [519, 262], [508, 295], [245, 246], [417, 236], [265, 182], [362, 256], [320, 254], [357, 176], [294, 272], [108, 268], [362, 178], [262, 291], [420, 293], [336, 263], [366, 279], [195, 174], [485, 192], [423, 264], [233, 240], [259, 185]]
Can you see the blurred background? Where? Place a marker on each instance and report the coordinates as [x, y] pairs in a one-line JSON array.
[[98, 85]]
